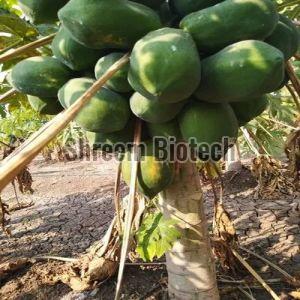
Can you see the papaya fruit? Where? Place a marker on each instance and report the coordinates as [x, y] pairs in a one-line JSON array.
[[154, 111], [231, 21], [155, 4], [39, 76], [45, 106], [249, 109], [167, 16], [74, 55], [205, 126], [241, 70], [185, 7], [180, 75], [296, 35], [106, 24], [154, 175], [41, 11], [285, 81], [111, 142], [106, 111], [166, 130], [283, 39], [119, 81]]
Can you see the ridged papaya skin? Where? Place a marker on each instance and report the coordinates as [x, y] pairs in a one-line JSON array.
[[231, 21], [105, 112], [283, 39], [45, 106], [119, 81], [180, 75], [154, 111], [166, 130], [155, 4], [74, 55], [90, 22], [296, 35], [107, 141], [208, 124], [153, 175], [41, 11], [39, 76], [241, 70], [249, 109], [185, 7]]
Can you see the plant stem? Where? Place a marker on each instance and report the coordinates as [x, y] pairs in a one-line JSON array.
[[23, 49], [21, 157], [255, 275], [293, 77], [6, 95], [296, 100], [135, 157]]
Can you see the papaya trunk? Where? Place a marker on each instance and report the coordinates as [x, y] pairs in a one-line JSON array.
[[190, 264]]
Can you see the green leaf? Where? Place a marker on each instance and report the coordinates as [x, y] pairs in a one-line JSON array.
[[156, 236]]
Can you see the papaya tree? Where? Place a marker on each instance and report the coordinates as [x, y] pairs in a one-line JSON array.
[[181, 79]]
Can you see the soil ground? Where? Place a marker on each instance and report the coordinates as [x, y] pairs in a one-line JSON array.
[[73, 208]]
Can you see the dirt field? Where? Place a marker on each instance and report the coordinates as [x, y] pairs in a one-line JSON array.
[[73, 208]]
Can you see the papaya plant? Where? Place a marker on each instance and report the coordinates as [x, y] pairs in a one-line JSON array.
[[195, 82]]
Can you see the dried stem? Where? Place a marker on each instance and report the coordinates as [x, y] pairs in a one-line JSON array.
[[284, 273], [130, 207], [33, 45], [6, 95], [14, 163], [255, 275], [117, 196], [293, 77]]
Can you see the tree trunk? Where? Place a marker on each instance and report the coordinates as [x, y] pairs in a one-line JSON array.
[[190, 264]]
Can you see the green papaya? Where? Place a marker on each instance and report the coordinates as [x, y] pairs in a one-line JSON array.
[[185, 7], [167, 16], [205, 126], [249, 109], [282, 38], [231, 21], [104, 24], [285, 81], [165, 66], [41, 11], [118, 141], [155, 4], [106, 111], [154, 111], [74, 55], [119, 81], [45, 106], [154, 175], [166, 130], [241, 70], [296, 36], [39, 76]]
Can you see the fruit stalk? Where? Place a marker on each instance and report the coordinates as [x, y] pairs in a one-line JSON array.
[[6, 95], [14, 163], [33, 45], [190, 264]]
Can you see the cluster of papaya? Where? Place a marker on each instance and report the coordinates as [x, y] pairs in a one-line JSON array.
[[198, 70]]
